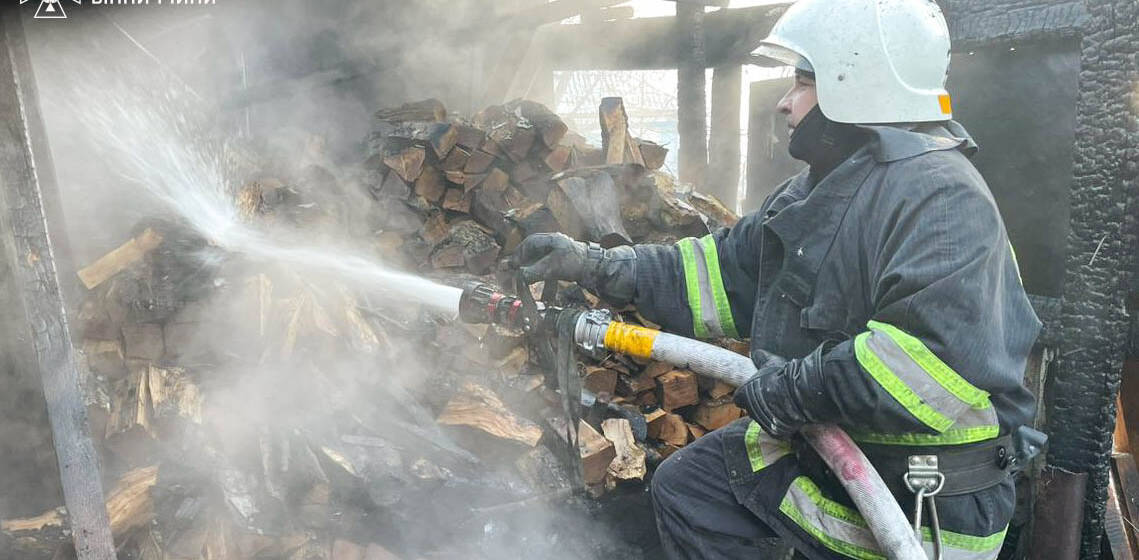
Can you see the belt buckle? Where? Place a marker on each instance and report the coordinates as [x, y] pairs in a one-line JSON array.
[[923, 475]]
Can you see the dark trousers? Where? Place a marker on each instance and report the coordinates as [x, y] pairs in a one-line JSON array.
[[697, 514]]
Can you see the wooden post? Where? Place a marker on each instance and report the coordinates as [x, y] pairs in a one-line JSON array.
[[724, 145], [691, 103], [28, 248]]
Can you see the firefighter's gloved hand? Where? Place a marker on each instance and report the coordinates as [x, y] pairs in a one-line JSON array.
[[610, 273], [776, 396]]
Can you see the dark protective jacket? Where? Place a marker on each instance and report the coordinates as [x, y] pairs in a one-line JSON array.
[[899, 263]]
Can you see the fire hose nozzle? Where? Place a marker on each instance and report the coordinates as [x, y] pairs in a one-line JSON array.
[[482, 303]]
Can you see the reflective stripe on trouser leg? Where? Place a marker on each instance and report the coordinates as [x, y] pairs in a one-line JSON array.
[[844, 531]]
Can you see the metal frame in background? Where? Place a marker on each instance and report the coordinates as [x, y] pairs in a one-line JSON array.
[[1090, 323]]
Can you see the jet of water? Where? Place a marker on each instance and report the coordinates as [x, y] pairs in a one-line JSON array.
[[157, 146]]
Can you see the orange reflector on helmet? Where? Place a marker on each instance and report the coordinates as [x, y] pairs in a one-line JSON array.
[[946, 104]]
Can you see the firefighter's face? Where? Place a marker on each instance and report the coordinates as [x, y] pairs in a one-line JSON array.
[[799, 100]]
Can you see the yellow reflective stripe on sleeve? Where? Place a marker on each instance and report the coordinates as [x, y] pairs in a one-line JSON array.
[[932, 365], [704, 286], [762, 449], [844, 531], [897, 388], [723, 308], [926, 387]]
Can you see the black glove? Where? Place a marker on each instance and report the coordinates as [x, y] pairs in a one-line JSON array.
[[780, 395], [610, 273]]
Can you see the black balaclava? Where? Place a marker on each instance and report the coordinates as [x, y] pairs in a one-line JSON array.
[[823, 143]]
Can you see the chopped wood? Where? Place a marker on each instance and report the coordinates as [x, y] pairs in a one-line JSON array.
[[652, 153], [105, 357], [472, 180], [470, 137], [143, 341], [653, 415], [478, 162], [713, 415], [431, 185], [512, 363], [457, 200], [558, 158], [599, 380], [435, 229], [629, 463], [614, 129], [695, 431], [669, 428], [496, 180], [523, 172], [715, 210], [456, 177], [515, 143], [443, 138], [426, 110], [657, 369], [596, 453], [119, 259], [588, 208], [631, 385], [456, 160], [129, 503], [408, 164], [478, 407], [676, 389], [720, 389]]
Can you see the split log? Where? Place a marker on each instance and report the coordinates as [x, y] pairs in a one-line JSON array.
[[588, 208], [457, 200], [629, 463], [596, 453], [669, 428], [456, 160], [720, 389], [713, 209], [599, 380], [426, 110], [478, 162], [496, 180], [633, 385], [695, 431], [119, 259], [470, 137], [431, 185], [677, 388], [478, 407], [614, 129], [408, 164], [668, 211], [653, 154], [443, 138], [715, 414], [143, 341], [558, 159]]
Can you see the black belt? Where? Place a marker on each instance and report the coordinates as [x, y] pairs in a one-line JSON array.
[[967, 468]]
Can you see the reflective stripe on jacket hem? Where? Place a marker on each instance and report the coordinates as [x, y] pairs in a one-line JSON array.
[[707, 298]]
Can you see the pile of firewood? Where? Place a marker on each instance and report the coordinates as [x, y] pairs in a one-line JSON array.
[[245, 409]]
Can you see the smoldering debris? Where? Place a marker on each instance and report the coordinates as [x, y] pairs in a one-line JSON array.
[[250, 408]]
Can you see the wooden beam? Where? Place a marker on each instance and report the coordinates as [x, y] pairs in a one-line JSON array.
[[724, 144], [30, 256], [651, 43], [692, 105]]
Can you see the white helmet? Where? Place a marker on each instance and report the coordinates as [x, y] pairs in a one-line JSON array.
[[875, 61]]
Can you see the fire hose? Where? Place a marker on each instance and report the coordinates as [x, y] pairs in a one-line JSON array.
[[596, 331]]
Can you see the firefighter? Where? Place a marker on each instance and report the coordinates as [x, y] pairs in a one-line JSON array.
[[878, 288]]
